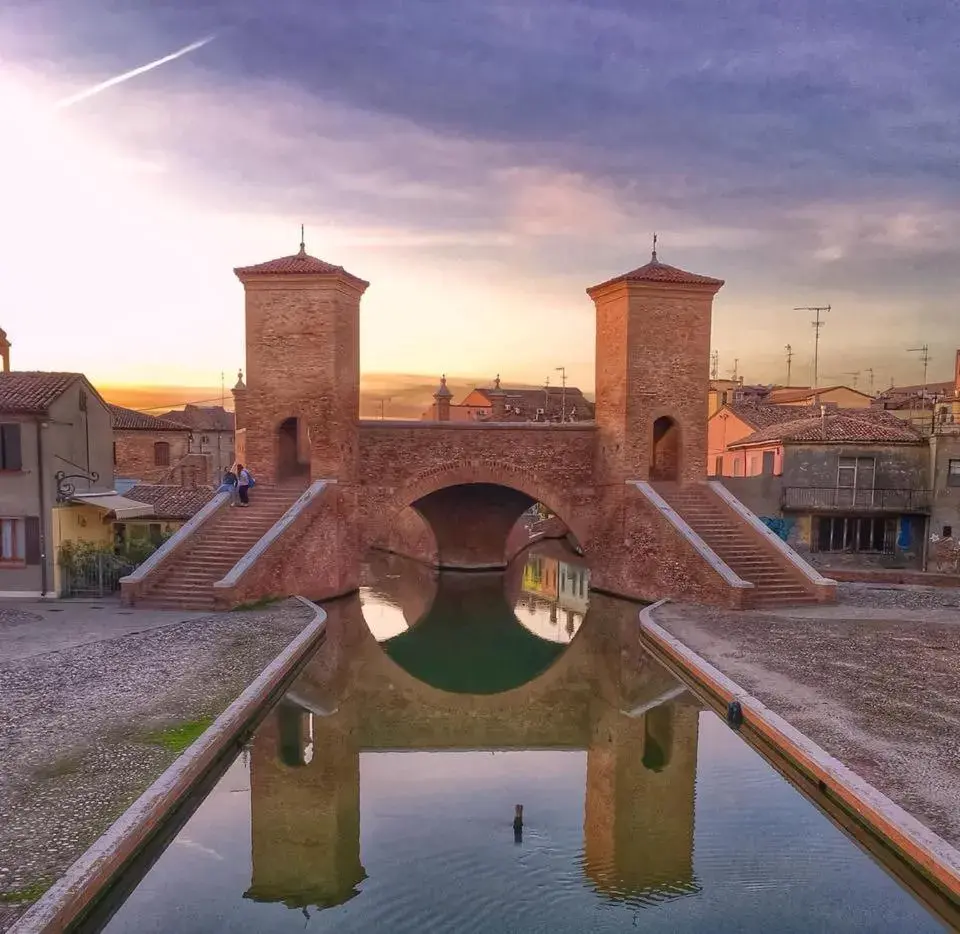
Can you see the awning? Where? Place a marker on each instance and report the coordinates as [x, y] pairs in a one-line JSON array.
[[120, 506]]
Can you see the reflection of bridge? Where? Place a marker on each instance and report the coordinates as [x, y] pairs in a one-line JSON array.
[[641, 770]]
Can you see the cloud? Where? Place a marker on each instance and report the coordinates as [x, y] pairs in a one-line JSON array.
[[512, 152]]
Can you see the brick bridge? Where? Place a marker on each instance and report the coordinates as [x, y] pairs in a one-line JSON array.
[[630, 486]]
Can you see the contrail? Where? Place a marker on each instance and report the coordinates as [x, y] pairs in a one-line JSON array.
[[117, 79]]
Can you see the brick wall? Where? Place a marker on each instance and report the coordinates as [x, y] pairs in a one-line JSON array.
[[135, 453], [303, 361], [652, 360], [400, 463], [645, 558]]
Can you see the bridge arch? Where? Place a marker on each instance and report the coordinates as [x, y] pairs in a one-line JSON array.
[[471, 507]]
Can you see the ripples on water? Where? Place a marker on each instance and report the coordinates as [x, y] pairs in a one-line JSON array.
[[662, 822]]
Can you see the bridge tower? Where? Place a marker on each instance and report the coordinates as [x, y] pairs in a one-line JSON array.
[[653, 365], [301, 402]]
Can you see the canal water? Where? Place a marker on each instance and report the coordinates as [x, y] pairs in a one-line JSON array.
[[380, 793]]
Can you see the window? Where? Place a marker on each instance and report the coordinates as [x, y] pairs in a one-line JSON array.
[[20, 540], [10, 458], [754, 465], [83, 400], [855, 533], [161, 454], [114, 453], [737, 467], [953, 472], [13, 543], [948, 531], [855, 478]]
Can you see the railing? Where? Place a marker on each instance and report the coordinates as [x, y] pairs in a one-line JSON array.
[[848, 498], [94, 575]]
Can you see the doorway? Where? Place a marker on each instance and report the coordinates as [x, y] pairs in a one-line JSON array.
[[291, 461], [665, 460]]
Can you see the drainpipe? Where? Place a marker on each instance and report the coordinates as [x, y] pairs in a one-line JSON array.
[[42, 490]]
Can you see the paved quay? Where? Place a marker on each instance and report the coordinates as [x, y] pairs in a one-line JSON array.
[[874, 680], [32, 627], [84, 689]]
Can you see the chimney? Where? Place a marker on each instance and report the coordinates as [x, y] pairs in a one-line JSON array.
[[956, 377], [5, 352], [443, 397]]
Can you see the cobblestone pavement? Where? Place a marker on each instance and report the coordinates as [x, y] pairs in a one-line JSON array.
[[72, 739], [878, 688]]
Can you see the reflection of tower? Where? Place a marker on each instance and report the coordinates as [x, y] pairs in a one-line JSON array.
[[305, 811], [638, 825]]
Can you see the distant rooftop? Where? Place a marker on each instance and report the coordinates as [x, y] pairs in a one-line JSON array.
[[132, 420]]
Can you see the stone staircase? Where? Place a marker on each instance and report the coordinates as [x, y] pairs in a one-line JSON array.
[[185, 580], [738, 546]]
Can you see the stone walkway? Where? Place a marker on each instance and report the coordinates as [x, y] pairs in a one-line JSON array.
[[874, 680], [81, 692], [36, 626]]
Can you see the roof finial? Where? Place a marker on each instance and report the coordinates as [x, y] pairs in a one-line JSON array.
[[496, 382], [653, 258], [303, 244]]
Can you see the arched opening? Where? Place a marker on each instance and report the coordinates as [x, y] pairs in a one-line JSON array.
[[293, 450], [296, 735], [665, 455]]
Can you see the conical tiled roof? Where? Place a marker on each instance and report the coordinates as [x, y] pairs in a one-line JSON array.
[[301, 263], [655, 271]]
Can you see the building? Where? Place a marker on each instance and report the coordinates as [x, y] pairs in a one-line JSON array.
[[101, 536], [499, 403], [733, 422], [55, 442], [841, 396], [148, 449], [844, 487], [729, 391], [212, 432], [927, 407]]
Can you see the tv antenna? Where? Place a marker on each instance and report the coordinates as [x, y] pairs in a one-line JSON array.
[[924, 352], [789, 351], [817, 324]]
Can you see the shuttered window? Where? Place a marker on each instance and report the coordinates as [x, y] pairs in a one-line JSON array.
[[10, 456], [13, 541]]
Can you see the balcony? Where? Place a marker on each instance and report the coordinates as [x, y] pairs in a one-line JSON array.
[[847, 499]]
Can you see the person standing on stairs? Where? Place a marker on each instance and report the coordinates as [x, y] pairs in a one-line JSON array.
[[244, 482]]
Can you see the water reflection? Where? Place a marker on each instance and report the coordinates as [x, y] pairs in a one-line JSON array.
[[637, 815], [377, 801], [476, 633]]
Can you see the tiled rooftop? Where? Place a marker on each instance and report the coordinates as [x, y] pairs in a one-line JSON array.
[[300, 264], [762, 415], [863, 426], [202, 418], [132, 420], [554, 402], [171, 502], [655, 271], [30, 392]]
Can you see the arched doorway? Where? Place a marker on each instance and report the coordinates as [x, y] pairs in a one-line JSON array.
[[293, 450], [665, 456]]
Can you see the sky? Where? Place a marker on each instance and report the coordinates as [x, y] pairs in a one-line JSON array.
[[481, 164]]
